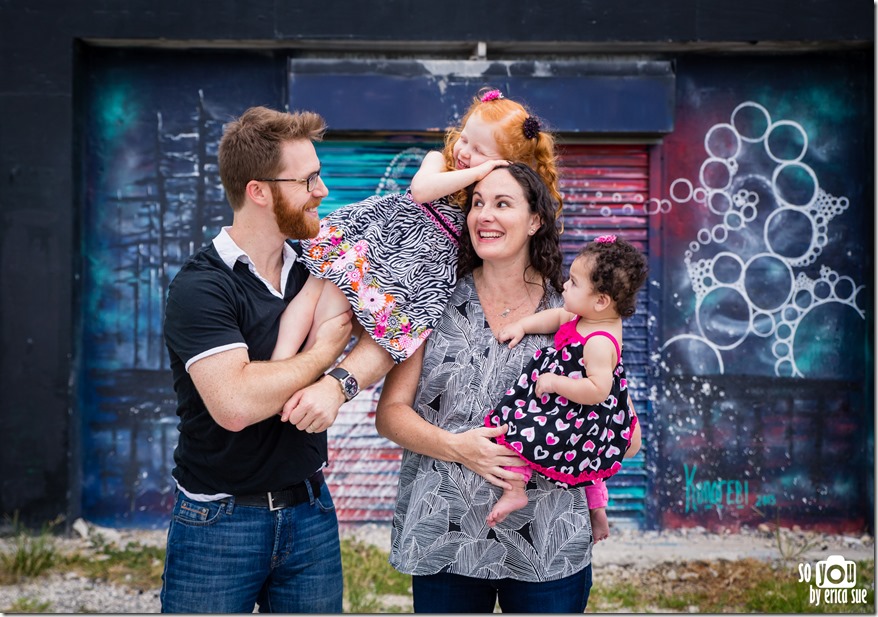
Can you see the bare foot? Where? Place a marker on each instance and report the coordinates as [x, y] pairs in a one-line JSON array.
[[600, 526], [511, 500]]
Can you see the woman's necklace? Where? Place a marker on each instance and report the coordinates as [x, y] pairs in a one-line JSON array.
[[507, 308], [514, 308]]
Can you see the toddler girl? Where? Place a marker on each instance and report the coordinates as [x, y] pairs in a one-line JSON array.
[[568, 415], [393, 258]]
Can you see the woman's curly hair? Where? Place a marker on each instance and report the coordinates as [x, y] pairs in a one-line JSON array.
[[619, 270], [544, 247]]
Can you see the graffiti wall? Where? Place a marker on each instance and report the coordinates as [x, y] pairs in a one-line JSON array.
[[763, 368], [760, 391]]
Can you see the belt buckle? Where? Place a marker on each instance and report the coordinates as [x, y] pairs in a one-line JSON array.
[[271, 505]]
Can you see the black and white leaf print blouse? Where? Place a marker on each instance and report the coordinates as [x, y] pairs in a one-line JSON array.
[[439, 524]]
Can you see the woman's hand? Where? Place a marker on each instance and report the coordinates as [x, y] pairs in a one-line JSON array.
[[477, 450]]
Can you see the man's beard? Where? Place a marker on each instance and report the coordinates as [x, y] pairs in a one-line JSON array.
[[293, 223]]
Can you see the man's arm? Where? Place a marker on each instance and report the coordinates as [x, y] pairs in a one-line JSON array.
[[238, 392], [314, 408]]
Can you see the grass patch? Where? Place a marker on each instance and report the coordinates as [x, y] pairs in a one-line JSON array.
[[134, 565], [368, 576], [29, 555], [745, 586], [785, 594], [27, 604], [615, 597], [371, 585]]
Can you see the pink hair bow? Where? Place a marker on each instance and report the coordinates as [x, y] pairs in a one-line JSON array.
[[491, 95], [608, 239]]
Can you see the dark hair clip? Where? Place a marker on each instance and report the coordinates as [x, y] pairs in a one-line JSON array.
[[531, 127]]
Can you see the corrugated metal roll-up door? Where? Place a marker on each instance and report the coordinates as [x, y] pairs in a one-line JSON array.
[[363, 466], [604, 188]]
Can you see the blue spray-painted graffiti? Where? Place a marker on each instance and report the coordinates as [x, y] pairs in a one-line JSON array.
[[762, 354]]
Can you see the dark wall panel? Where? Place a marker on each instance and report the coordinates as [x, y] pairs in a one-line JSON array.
[[152, 196], [607, 97]]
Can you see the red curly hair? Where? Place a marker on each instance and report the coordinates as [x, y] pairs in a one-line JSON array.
[[509, 116]]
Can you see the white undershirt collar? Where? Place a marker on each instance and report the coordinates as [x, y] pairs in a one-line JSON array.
[[230, 253]]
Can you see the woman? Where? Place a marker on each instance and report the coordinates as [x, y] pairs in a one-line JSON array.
[[539, 558]]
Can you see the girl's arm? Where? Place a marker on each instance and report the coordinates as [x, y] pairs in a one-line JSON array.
[[296, 320], [396, 419], [634, 446], [543, 322], [433, 180], [600, 361], [636, 442]]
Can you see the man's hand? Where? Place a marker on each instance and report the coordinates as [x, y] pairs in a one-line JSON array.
[[314, 409]]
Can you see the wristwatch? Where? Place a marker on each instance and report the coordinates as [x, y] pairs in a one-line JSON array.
[[349, 386]]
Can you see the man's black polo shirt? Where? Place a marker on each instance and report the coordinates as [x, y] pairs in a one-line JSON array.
[[212, 308]]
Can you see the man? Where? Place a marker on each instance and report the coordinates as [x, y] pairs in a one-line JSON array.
[[253, 521]]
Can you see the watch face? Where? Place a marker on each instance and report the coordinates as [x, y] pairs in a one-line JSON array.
[[348, 382], [350, 387]]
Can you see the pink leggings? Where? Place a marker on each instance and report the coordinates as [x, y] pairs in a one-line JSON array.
[[524, 470]]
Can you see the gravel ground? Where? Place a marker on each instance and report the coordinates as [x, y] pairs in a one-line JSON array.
[[626, 548]]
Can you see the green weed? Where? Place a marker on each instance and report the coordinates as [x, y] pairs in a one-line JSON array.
[[743, 586], [26, 604], [134, 565], [30, 555], [368, 576], [613, 598], [785, 594]]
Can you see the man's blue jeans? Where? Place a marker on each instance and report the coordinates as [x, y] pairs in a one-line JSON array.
[[453, 593], [225, 558]]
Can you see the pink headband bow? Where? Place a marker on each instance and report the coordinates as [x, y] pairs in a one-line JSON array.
[[608, 239], [491, 95]]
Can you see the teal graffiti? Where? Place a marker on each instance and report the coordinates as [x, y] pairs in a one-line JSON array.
[[715, 494]]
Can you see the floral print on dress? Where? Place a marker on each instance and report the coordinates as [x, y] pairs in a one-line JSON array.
[[395, 260]]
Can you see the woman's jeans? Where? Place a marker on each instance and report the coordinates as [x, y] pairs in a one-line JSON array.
[[453, 593], [226, 558]]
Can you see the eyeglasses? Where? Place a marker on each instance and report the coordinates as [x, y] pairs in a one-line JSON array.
[[310, 182]]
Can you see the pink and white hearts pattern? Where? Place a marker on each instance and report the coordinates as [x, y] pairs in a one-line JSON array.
[[568, 442]]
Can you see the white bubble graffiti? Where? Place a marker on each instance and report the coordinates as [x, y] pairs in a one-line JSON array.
[[755, 290]]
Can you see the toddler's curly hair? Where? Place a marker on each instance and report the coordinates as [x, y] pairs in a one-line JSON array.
[[618, 270]]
